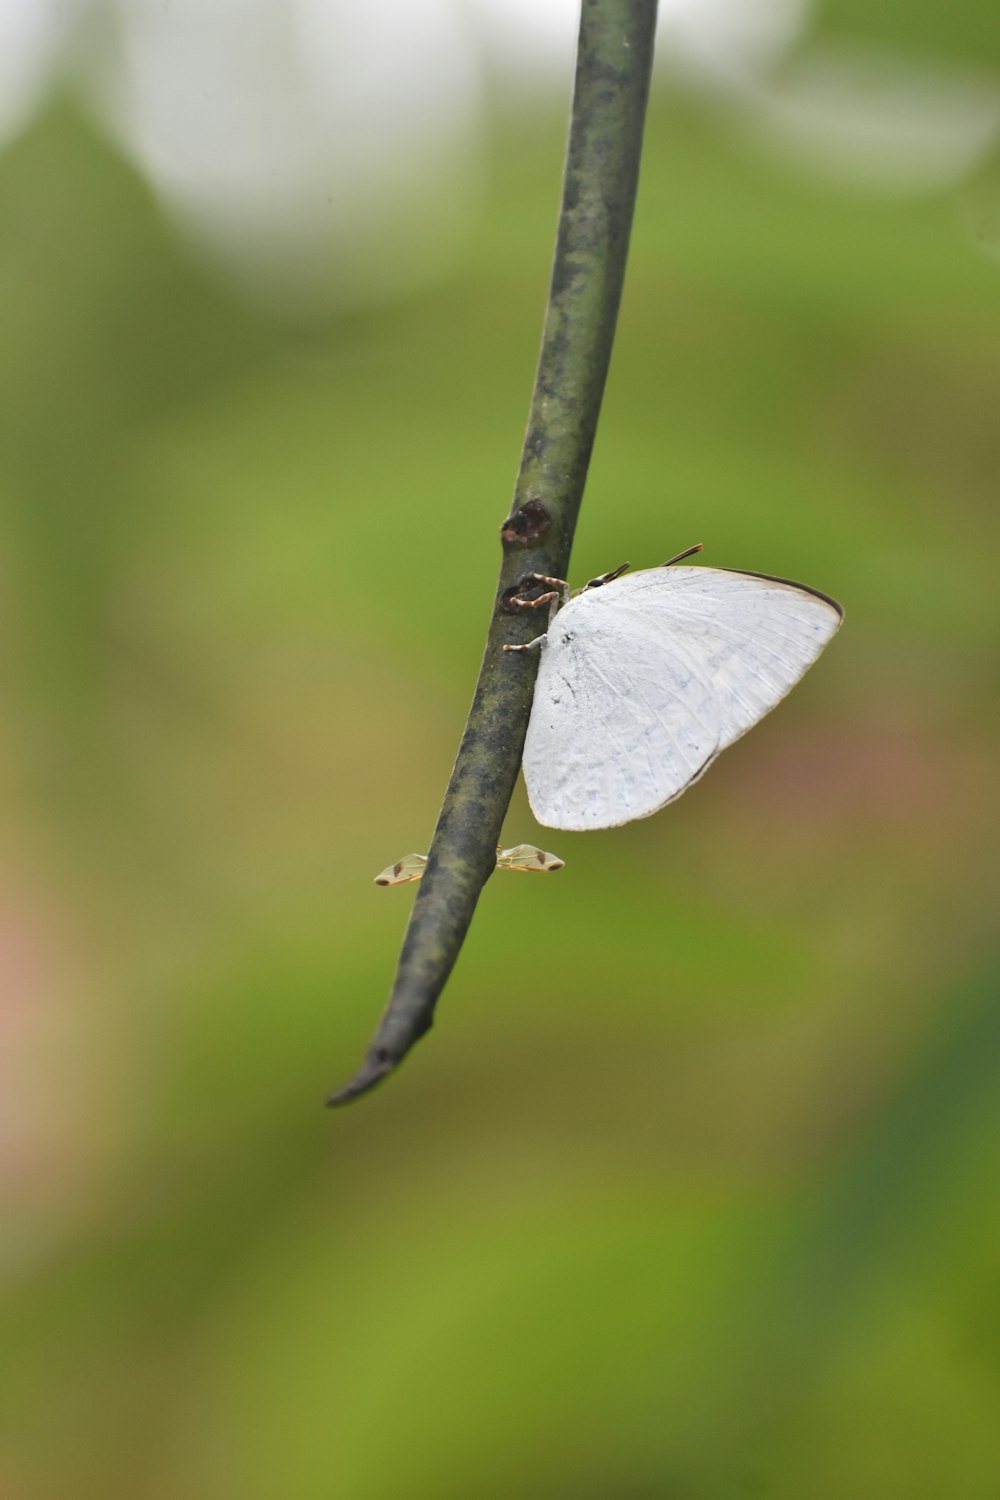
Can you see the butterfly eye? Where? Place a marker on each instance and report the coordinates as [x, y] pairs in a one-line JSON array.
[[603, 578]]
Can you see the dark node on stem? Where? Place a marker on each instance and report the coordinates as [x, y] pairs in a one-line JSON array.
[[529, 522]]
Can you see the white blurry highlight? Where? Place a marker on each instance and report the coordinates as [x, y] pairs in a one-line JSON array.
[[325, 151], [707, 37], [33, 34], [872, 120], [328, 152], [725, 41]]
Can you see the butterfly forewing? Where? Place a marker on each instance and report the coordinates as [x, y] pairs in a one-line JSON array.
[[643, 681], [755, 636]]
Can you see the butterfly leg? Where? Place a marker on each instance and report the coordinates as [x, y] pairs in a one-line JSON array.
[[560, 590], [534, 603], [554, 597]]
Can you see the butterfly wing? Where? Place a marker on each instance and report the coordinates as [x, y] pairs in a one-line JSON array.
[[645, 680], [755, 635]]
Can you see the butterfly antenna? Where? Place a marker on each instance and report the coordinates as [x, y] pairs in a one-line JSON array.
[[682, 555]]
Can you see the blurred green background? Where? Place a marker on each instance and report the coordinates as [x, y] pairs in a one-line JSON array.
[[692, 1192]]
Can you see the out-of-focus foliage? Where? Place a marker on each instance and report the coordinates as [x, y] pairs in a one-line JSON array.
[[962, 32], [692, 1192]]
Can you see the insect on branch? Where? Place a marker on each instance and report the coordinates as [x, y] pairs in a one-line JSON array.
[[614, 60]]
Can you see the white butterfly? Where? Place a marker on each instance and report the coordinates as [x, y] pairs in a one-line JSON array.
[[645, 679]]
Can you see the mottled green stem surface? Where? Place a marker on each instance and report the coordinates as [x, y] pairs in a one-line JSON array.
[[614, 60]]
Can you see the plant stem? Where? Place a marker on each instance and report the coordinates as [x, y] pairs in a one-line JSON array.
[[614, 60]]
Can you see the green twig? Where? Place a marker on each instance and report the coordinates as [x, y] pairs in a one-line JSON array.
[[614, 59]]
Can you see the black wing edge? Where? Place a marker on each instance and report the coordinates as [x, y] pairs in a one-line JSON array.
[[789, 583]]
